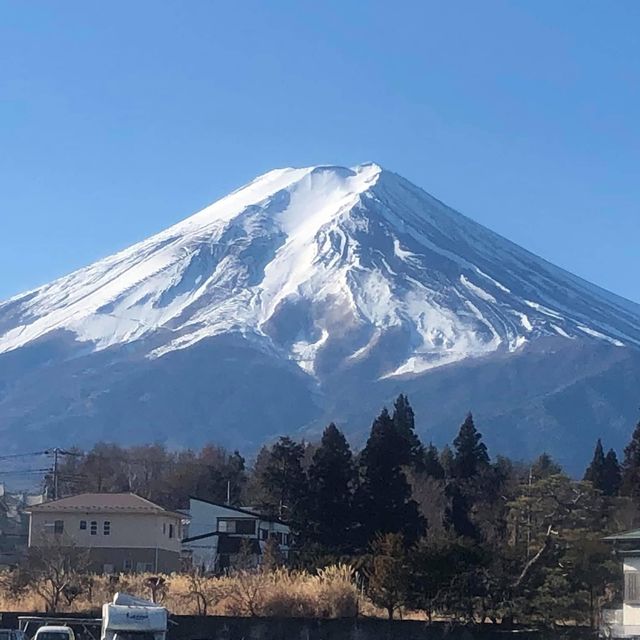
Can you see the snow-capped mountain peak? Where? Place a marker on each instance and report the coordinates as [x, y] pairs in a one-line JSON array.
[[325, 266]]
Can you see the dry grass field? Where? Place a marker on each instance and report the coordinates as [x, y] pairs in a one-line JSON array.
[[332, 592]]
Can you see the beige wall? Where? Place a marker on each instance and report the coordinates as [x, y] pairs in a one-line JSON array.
[[127, 530], [131, 560]]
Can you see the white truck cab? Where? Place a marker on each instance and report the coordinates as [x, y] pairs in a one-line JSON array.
[[57, 632], [131, 618]]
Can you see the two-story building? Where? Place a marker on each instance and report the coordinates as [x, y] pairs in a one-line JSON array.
[[217, 531], [121, 532]]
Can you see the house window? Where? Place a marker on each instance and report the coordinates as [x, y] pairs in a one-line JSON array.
[[94, 528], [264, 534], [246, 527], [277, 536], [106, 528], [285, 539], [171, 531], [632, 587], [83, 525], [128, 565], [58, 526]]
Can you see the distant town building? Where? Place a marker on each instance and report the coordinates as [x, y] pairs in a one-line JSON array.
[[121, 532], [625, 622], [14, 524], [216, 533]]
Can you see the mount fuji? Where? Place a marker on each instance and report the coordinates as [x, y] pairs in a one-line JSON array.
[[318, 294]]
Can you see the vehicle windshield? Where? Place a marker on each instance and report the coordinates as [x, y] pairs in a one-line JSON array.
[[53, 635], [134, 635]]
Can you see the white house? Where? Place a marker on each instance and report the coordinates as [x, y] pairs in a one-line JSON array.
[[625, 622], [216, 533]]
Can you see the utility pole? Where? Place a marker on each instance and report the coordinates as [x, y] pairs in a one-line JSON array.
[[56, 451]]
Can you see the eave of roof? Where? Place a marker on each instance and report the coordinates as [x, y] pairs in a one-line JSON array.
[[633, 534], [254, 514], [202, 536]]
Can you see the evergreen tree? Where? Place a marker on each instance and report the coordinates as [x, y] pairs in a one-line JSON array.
[[384, 497], [411, 449], [282, 479], [447, 461], [221, 475], [544, 466], [329, 517], [471, 452], [457, 514], [595, 471], [631, 466], [611, 479], [431, 464]]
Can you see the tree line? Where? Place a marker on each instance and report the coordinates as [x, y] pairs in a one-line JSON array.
[[450, 532]]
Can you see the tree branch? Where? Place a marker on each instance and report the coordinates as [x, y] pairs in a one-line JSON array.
[[548, 541]]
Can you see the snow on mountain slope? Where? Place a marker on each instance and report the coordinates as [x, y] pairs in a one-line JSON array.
[[320, 266]]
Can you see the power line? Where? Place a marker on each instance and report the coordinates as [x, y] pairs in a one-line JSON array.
[[24, 471], [23, 455]]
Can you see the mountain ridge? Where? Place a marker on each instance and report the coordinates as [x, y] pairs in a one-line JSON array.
[[336, 278]]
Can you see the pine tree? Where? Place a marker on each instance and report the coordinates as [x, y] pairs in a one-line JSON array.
[[595, 471], [411, 451], [611, 480], [384, 496], [431, 463], [457, 514], [329, 510], [631, 466], [282, 478], [471, 452], [544, 466]]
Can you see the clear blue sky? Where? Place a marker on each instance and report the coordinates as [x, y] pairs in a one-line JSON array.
[[118, 118]]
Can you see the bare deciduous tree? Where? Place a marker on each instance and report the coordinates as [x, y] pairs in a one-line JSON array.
[[246, 592], [203, 590], [55, 570], [387, 573], [157, 586]]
